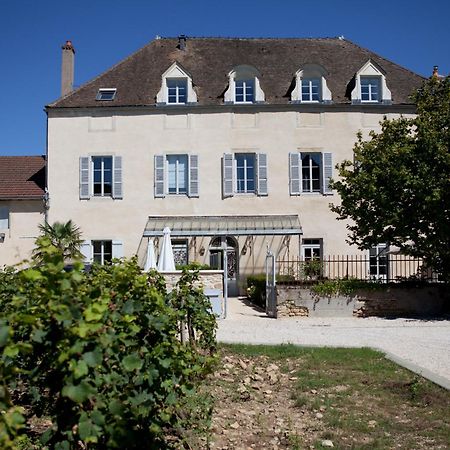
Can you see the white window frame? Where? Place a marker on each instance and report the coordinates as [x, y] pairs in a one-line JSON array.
[[382, 251], [311, 244], [178, 188], [373, 81], [102, 173], [177, 87], [245, 180], [308, 96], [246, 85], [310, 169], [102, 253]]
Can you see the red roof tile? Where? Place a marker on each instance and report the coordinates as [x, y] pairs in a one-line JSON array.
[[22, 177]]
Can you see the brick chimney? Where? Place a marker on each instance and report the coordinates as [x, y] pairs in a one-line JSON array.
[[67, 68], [435, 72]]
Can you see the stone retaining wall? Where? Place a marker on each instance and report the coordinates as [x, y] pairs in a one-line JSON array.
[[208, 279], [390, 302]]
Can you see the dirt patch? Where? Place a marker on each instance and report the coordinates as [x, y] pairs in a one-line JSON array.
[[254, 407]]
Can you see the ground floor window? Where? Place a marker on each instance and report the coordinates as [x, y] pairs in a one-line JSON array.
[[102, 251], [311, 249], [378, 262], [180, 251], [4, 218]]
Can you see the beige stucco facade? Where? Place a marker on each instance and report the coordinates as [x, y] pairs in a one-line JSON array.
[[21, 230], [137, 134]]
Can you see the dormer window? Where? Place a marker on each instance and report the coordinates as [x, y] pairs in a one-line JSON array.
[[370, 89], [245, 90], [244, 86], [176, 90], [311, 90], [370, 85], [176, 87], [311, 85], [106, 94]]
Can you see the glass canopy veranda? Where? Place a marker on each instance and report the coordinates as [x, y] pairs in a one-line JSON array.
[[190, 226]]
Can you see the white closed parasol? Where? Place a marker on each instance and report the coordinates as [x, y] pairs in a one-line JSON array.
[[166, 262]]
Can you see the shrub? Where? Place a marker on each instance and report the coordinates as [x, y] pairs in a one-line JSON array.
[[194, 265], [256, 289], [100, 354]]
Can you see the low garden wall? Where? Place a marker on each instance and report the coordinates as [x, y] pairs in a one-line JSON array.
[[208, 279], [389, 301]]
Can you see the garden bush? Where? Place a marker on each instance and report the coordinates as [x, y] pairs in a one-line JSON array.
[[100, 354]]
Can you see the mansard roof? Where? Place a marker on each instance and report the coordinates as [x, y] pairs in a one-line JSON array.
[[22, 177], [210, 60]]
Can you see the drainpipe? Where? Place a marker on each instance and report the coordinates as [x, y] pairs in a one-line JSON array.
[[225, 277]]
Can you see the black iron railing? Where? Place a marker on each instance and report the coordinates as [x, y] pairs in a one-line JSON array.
[[386, 268]]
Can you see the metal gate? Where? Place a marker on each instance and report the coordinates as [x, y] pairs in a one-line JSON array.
[[271, 292]]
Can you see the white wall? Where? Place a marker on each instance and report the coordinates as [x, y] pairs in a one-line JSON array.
[[138, 137], [24, 218]]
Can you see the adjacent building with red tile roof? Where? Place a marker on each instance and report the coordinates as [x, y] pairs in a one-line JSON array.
[[22, 207], [22, 177]]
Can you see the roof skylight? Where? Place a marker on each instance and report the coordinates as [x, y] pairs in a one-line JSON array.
[[106, 94]]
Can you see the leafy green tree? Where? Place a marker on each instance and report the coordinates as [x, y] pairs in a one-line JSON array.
[[397, 188], [66, 237]]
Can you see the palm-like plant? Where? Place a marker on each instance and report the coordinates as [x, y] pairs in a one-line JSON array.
[[66, 237]]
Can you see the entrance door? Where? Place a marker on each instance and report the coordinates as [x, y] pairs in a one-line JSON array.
[[378, 262], [216, 249]]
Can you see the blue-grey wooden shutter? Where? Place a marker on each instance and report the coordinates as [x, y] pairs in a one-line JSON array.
[[295, 170], [117, 249], [86, 251], [327, 165], [193, 175], [227, 174], [262, 173], [160, 162], [85, 163], [117, 182]]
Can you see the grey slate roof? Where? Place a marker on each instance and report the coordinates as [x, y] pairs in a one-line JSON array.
[[209, 60]]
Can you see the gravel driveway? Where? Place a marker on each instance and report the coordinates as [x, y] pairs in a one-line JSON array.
[[422, 346]]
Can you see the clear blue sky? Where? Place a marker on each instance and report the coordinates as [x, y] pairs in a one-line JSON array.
[[412, 33]]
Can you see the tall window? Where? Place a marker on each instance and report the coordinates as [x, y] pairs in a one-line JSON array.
[[177, 173], [311, 163], [102, 176], [102, 251], [176, 90], [245, 172], [310, 90], [378, 262], [370, 89], [245, 91]]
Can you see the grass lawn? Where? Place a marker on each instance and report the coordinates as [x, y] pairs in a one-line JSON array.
[[292, 397]]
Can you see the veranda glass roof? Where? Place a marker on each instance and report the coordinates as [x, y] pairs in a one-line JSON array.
[[224, 225]]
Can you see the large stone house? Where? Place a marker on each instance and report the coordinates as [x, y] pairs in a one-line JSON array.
[[22, 206], [229, 142]]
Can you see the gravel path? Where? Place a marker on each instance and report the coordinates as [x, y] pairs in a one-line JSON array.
[[422, 346]]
